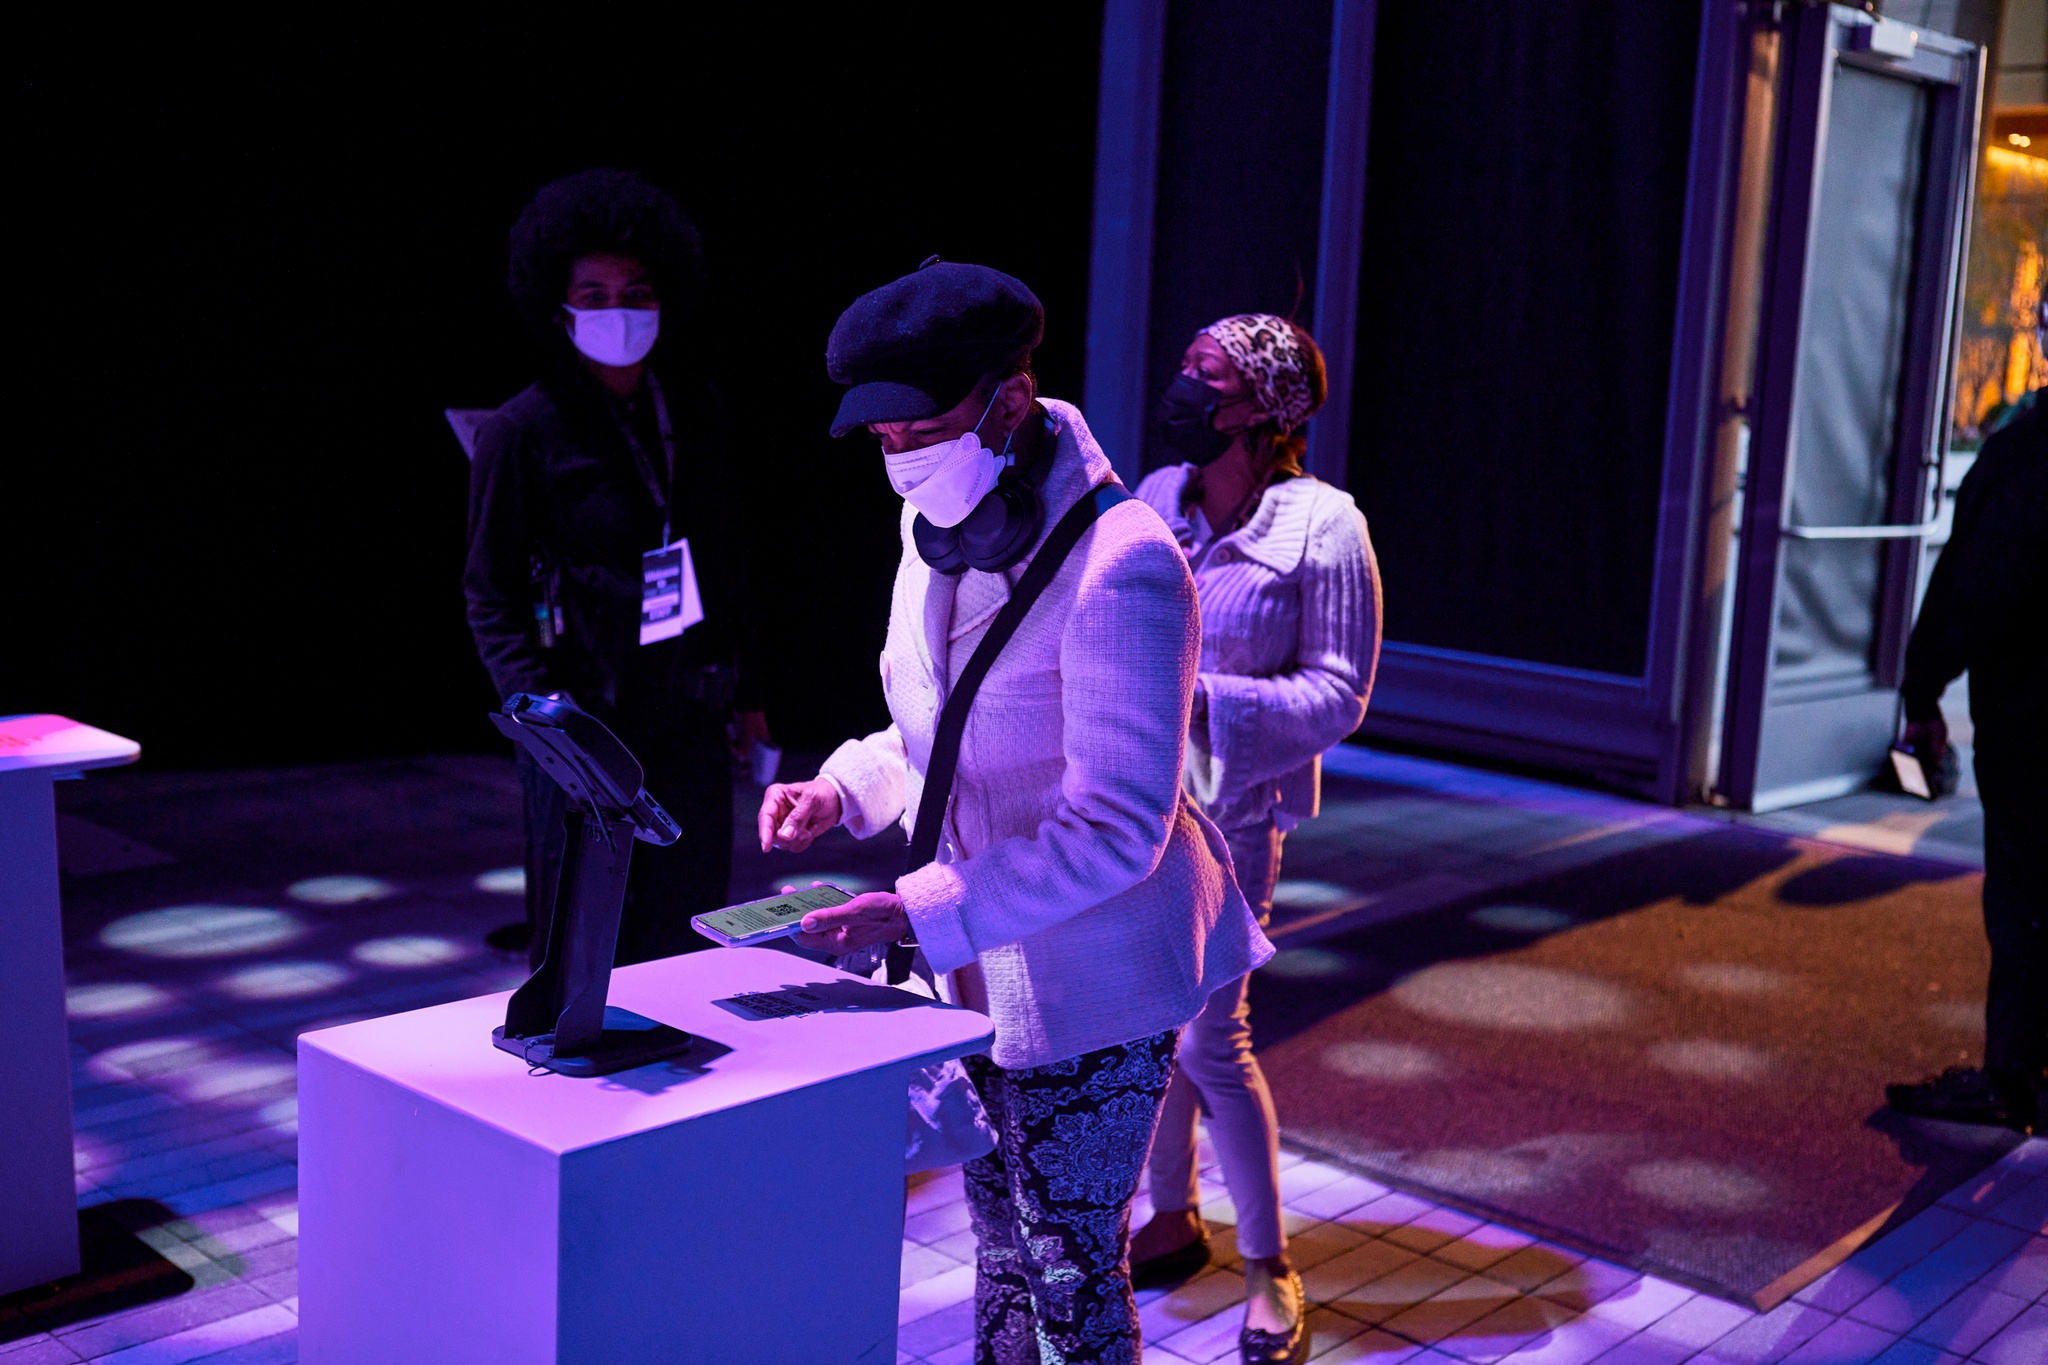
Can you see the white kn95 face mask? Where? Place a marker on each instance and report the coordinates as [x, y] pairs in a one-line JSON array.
[[614, 336], [947, 480]]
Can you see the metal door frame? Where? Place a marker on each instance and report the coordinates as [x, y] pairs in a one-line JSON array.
[[1619, 730], [1821, 39]]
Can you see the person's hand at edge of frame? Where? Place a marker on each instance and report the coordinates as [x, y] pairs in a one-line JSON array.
[[794, 814], [866, 920], [1927, 738]]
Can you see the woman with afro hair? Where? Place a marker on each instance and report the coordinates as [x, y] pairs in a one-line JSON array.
[[616, 450]]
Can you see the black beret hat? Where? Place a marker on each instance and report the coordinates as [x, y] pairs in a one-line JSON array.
[[917, 346]]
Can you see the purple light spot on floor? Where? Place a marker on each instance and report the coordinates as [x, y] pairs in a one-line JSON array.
[[110, 999], [340, 890], [1510, 995], [408, 951], [201, 931], [283, 980]]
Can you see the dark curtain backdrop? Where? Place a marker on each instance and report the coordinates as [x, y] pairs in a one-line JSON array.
[[1523, 216], [1242, 102], [254, 266]]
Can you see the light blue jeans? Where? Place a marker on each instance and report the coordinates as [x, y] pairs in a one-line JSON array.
[[1218, 1075]]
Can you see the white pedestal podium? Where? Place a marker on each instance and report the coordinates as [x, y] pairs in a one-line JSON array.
[[38, 1199], [744, 1202]]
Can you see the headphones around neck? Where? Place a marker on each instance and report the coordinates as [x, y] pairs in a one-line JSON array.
[[1003, 526]]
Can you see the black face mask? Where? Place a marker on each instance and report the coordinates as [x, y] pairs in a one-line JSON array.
[[1186, 417]]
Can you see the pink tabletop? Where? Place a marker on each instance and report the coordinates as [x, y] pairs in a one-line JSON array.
[[47, 741], [445, 1052]]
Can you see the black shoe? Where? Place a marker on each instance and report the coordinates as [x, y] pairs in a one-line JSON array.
[[1255, 1347], [1964, 1094], [1158, 1272]]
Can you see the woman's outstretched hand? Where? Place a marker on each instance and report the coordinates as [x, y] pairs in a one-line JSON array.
[[862, 922], [795, 813]]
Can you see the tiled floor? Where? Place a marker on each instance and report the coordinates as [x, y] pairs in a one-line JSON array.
[[1395, 1278], [183, 1028]]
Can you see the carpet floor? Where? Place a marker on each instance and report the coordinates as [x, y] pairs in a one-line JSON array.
[[1674, 1057]]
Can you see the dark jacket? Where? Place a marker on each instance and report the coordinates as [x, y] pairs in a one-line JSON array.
[[1986, 608], [558, 510]]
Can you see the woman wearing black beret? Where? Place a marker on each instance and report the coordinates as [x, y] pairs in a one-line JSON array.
[[1039, 665], [615, 451]]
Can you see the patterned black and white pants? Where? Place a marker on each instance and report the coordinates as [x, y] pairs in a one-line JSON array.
[[1051, 1204]]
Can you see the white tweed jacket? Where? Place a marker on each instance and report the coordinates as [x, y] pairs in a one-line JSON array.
[[1095, 896], [1290, 640]]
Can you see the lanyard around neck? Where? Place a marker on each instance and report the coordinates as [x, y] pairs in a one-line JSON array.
[[655, 488]]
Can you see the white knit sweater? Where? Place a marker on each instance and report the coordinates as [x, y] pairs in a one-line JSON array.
[[1096, 898], [1290, 639]]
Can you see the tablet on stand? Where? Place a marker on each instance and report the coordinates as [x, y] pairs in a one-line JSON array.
[[558, 1021]]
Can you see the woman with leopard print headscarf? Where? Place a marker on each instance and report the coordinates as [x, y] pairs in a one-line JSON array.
[[1290, 635]]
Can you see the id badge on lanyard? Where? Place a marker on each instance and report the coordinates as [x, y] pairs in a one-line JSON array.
[[669, 602]]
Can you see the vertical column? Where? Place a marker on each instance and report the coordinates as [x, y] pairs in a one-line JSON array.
[[1120, 255], [38, 1205], [1343, 225]]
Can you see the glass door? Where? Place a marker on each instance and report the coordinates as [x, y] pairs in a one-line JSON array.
[[1876, 146]]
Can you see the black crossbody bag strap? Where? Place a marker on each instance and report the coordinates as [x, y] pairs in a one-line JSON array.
[[938, 778]]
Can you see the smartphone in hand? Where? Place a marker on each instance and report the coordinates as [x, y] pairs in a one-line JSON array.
[[741, 926], [1927, 775]]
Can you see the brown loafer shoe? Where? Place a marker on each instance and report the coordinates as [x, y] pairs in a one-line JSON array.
[[1256, 1347]]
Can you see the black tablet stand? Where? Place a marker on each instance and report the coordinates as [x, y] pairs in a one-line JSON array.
[[558, 1020]]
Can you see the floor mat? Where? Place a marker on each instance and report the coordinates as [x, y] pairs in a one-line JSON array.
[[1674, 1057]]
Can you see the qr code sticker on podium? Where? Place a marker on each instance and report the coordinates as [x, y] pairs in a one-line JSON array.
[[783, 1004]]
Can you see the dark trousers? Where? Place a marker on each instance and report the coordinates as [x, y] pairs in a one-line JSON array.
[[689, 772], [1051, 1205], [2015, 915]]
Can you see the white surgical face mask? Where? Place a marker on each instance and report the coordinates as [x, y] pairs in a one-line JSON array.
[[614, 336], [946, 481]]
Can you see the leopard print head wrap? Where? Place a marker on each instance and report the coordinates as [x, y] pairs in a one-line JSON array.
[[1264, 350]]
